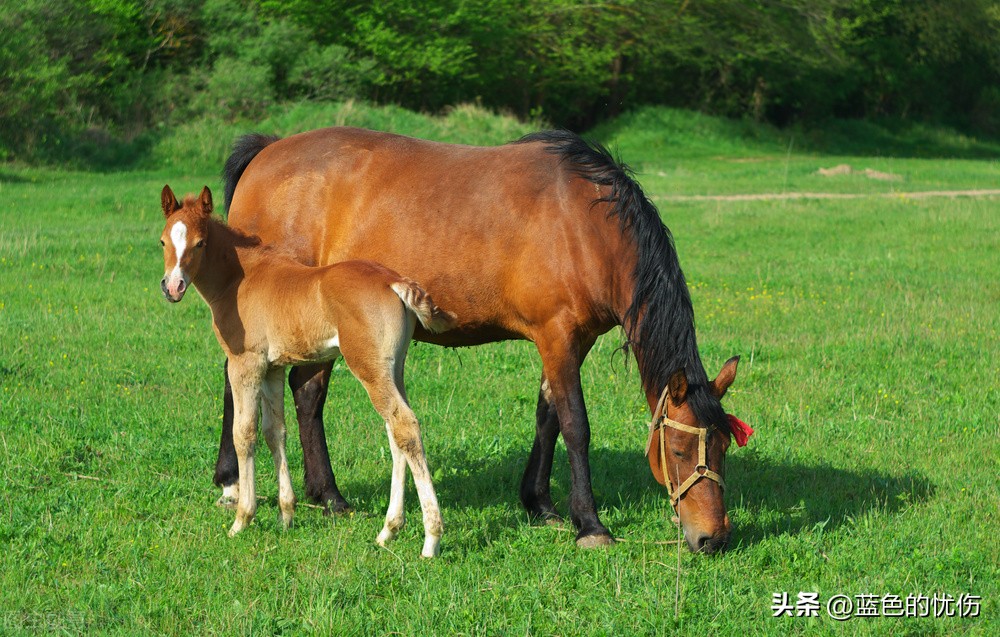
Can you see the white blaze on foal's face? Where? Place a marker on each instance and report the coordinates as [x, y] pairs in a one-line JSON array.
[[183, 240], [175, 278], [182, 251]]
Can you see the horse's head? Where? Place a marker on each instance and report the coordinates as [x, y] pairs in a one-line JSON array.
[[183, 240], [687, 456]]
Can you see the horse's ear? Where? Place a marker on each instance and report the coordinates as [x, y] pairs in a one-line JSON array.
[[206, 200], [677, 387], [168, 201], [725, 377]]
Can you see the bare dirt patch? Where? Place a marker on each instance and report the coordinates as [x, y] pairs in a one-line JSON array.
[[777, 196]]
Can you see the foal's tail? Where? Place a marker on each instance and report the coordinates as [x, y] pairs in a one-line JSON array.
[[414, 297]]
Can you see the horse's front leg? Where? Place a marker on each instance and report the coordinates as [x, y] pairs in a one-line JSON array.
[[309, 385], [246, 379], [535, 492], [561, 365]]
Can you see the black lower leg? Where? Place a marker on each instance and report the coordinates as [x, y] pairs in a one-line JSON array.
[[535, 492], [227, 470], [567, 395], [309, 385]]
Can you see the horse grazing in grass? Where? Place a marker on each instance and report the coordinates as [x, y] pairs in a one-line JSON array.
[[547, 239], [269, 312]]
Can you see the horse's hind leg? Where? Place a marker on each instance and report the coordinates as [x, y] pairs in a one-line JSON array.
[[309, 384], [272, 422], [227, 470]]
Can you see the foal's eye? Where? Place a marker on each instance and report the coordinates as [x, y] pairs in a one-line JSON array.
[[200, 244]]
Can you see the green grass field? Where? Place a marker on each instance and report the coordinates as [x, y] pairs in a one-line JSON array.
[[870, 339]]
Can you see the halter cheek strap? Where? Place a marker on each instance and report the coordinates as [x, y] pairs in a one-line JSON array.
[[658, 425]]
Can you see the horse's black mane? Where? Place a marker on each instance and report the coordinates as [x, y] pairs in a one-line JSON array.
[[665, 338], [244, 150]]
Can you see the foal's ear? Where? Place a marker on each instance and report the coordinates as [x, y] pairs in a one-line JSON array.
[[725, 377], [168, 201], [206, 200], [677, 387]]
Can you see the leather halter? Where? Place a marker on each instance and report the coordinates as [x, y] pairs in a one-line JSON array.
[[658, 425]]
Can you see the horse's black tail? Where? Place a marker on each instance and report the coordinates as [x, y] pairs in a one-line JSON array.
[[244, 150]]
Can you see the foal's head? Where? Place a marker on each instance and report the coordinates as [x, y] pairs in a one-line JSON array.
[[183, 240]]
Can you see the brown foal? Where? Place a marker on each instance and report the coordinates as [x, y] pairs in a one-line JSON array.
[[269, 312]]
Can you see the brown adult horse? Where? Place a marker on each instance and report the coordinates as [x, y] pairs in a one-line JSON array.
[[546, 239]]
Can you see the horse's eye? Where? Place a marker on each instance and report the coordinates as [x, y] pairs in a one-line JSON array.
[[162, 244], [679, 454], [200, 244]]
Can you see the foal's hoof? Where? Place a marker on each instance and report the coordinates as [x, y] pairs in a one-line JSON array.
[[594, 541]]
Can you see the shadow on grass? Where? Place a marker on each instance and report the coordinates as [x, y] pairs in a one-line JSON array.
[[767, 498]]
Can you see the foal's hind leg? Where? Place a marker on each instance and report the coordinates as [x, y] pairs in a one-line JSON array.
[[395, 515], [309, 384], [379, 367], [272, 422]]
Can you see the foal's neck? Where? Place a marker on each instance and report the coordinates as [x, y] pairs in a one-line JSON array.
[[228, 253]]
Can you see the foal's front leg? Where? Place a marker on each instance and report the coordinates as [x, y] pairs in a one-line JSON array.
[[272, 422], [246, 379]]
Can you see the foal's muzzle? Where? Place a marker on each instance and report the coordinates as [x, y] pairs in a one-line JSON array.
[[173, 292]]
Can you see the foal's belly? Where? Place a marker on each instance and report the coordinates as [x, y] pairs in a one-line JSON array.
[[284, 353]]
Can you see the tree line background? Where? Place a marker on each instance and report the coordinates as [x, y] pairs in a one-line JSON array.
[[122, 69]]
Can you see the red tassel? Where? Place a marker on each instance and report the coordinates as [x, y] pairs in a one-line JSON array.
[[741, 430]]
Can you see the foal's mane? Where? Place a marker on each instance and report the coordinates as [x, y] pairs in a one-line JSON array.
[[238, 238], [664, 338]]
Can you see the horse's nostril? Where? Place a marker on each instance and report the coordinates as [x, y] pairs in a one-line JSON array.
[[709, 544]]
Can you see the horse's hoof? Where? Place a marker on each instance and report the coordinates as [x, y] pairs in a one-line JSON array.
[[337, 508], [549, 518], [226, 502], [594, 541]]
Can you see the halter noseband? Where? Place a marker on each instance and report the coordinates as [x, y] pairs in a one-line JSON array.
[[659, 423]]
